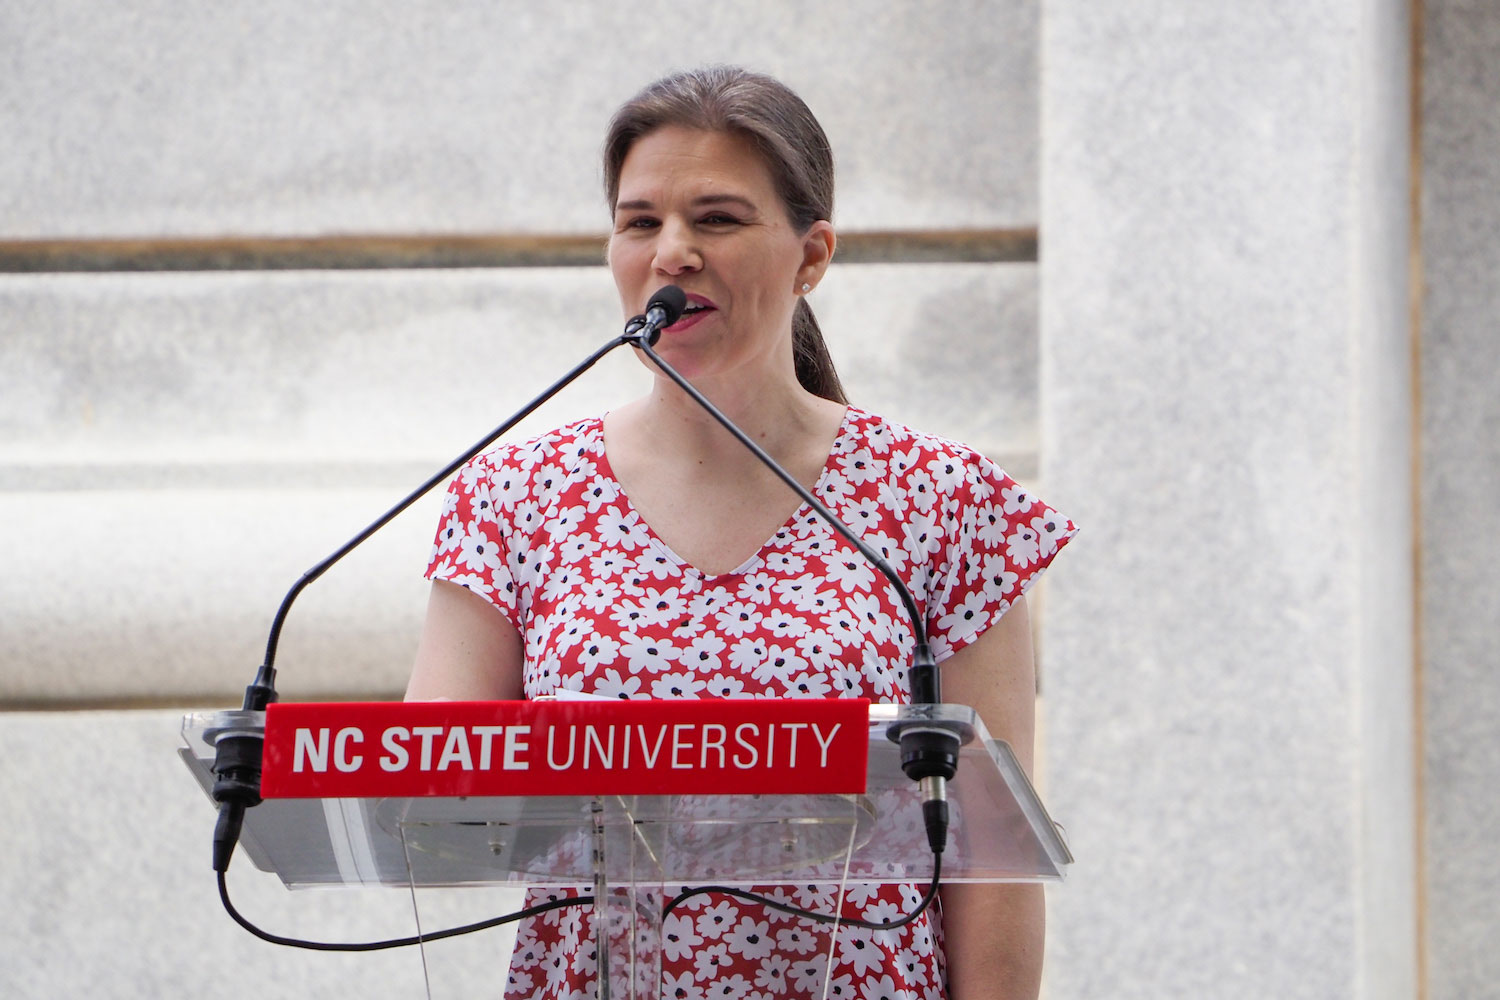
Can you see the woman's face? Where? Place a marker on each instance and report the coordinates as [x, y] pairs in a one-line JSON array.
[[699, 210]]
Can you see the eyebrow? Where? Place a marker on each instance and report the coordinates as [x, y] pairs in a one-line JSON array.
[[699, 202]]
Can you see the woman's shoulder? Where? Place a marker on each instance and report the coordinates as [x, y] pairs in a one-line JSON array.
[[564, 445], [905, 449]]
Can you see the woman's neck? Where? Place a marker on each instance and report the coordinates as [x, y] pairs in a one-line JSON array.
[[790, 423]]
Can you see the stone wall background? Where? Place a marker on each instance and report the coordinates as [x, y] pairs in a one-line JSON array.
[[1267, 694]]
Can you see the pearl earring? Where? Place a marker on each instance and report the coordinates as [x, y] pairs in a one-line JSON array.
[[806, 288]]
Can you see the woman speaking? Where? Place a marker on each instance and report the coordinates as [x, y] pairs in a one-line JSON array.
[[645, 553]]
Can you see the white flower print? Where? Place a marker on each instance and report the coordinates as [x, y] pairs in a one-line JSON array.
[[891, 550], [564, 520], [885, 988], [556, 963], [746, 655], [993, 528], [882, 911], [474, 475], [612, 685], [661, 607], [777, 666], [731, 987], [923, 537], [999, 578], [835, 489], [801, 592], [647, 655], [680, 986], [511, 488], [475, 550], [819, 650], [772, 974], [679, 937], [755, 587], [806, 975], [471, 581], [920, 492], [1017, 500], [1023, 547], [849, 573], [529, 457], [786, 626], [947, 474], [847, 680], [859, 953], [860, 895], [606, 566], [796, 939], [862, 467], [601, 490], [965, 621], [862, 514], [451, 535], [738, 618], [579, 576], [1050, 530], [716, 919], [841, 987], [653, 564], [677, 685], [725, 686], [527, 516], [783, 563], [808, 685], [577, 549], [702, 653], [621, 530], [902, 462], [599, 596], [750, 938], [558, 585]]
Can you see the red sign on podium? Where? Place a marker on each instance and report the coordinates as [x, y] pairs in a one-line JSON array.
[[450, 748]]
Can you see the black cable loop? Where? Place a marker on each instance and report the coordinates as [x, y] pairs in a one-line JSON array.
[[530, 911], [558, 904]]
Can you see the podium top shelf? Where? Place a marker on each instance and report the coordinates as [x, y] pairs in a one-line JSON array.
[[1000, 830]]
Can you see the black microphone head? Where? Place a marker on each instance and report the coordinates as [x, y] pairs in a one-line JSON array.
[[671, 300]]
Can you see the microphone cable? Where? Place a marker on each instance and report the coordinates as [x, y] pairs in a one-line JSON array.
[[566, 901], [403, 942]]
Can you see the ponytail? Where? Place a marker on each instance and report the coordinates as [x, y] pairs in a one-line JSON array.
[[815, 369]]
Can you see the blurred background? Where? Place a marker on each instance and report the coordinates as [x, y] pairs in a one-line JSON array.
[[1215, 279]]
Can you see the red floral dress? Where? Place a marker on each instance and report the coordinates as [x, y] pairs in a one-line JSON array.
[[543, 530]]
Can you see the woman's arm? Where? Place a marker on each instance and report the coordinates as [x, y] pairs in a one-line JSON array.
[[994, 933], [469, 650]]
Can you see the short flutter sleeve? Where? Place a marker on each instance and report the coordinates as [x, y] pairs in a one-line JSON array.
[[473, 543], [998, 538]]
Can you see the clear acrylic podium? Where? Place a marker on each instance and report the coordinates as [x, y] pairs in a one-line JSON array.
[[632, 853]]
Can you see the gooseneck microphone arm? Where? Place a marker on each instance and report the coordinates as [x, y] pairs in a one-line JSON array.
[[929, 749], [923, 652], [237, 755]]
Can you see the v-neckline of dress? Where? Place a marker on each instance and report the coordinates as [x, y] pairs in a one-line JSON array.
[[781, 531]]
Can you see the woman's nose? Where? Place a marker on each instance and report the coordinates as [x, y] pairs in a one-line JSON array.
[[676, 249]]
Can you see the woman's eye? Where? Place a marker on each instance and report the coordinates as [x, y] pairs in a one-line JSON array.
[[720, 219], [639, 222]]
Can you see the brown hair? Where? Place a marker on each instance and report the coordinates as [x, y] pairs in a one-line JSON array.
[[780, 126]]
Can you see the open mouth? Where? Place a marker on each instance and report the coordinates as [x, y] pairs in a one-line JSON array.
[[697, 306]]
